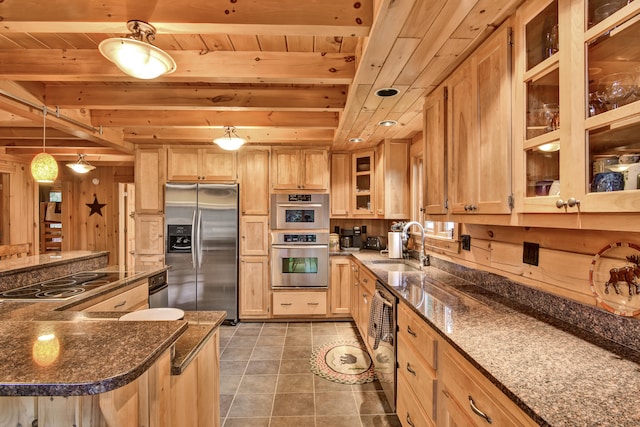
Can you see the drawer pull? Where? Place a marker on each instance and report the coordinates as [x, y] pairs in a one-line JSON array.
[[477, 411], [410, 369], [409, 420], [313, 303], [286, 303], [411, 332], [120, 304]]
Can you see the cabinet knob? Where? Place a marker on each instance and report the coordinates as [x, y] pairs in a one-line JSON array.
[[560, 204], [571, 202]]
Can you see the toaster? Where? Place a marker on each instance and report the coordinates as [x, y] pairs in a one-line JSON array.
[[376, 243]]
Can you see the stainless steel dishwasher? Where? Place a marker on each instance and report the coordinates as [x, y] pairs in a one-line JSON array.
[[384, 354]]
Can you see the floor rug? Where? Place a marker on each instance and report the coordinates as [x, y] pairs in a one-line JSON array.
[[345, 362]]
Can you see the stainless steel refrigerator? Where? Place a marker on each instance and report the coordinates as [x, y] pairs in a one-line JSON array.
[[202, 246]]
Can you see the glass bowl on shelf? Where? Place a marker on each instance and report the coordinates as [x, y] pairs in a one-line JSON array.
[[618, 89]]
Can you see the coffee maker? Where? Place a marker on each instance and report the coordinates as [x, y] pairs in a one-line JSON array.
[[347, 238], [357, 237]]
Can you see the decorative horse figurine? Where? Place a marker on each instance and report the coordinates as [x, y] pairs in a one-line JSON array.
[[628, 274]]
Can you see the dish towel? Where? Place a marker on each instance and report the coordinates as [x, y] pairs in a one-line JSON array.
[[380, 321]]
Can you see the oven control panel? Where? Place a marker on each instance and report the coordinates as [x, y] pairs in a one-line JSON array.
[[300, 238]]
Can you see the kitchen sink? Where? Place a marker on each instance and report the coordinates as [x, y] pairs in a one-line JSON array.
[[392, 265]]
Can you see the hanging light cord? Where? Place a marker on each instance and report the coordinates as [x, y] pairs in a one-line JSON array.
[[44, 129]]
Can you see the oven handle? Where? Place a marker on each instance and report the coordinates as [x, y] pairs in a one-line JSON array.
[[300, 246], [306, 205]]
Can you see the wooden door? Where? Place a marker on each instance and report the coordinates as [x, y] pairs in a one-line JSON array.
[[462, 137], [396, 179], [254, 292], [183, 164], [340, 184], [218, 165], [435, 151], [254, 182], [254, 235], [149, 179], [315, 169], [493, 74], [340, 286], [285, 169], [149, 235]]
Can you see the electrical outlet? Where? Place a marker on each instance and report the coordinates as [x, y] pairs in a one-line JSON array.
[[530, 253], [466, 242]]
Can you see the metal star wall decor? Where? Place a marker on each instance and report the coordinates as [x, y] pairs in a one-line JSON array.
[[96, 207]]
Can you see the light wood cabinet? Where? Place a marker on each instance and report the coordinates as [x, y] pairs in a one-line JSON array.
[[408, 406], [469, 398], [571, 116], [131, 298], [434, 151], [149, 235], [340, 286], [366, 288], [300, 303], [254, 235], [392, 179], [254, 290], [201, 164], [300, 169], [150, 166], [196, 390], [479, 137], [355, 291], [363, 200], [254, 181], [417, 364], [340, 184]]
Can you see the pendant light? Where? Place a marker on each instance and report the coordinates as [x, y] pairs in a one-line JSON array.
[[135, 55], [81, 165], [230, 140], [44, 167]]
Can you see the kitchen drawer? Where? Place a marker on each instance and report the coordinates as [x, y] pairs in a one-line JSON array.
[[299, 303], [407, 407], [465, 386], [416, 332], [367, 280], [133, 299], [420, 378]]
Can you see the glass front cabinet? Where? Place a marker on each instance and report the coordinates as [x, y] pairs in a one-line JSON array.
[[577, 113]]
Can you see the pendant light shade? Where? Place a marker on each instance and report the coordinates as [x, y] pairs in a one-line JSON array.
[[81, 165], [135, 55], [230, 141], [44, 167]]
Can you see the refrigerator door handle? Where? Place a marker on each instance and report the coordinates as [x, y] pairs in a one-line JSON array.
[[198, 242], [194, 242]]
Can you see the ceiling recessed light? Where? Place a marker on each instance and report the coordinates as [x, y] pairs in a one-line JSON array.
[[356, 140], [387, 123], [387, 92]]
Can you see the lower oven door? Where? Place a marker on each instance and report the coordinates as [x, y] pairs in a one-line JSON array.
[[300, 266]]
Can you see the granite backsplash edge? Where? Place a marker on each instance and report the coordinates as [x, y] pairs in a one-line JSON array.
[[619, 329]]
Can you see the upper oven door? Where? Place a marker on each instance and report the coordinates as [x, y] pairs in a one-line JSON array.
[[300, 266], [300, 211]]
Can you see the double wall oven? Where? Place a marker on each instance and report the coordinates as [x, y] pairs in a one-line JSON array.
[[300, 241]]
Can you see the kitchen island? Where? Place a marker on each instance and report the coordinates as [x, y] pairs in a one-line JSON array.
[[63, 366], [554, 372]]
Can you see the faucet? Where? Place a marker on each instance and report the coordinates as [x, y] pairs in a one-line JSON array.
[[405, 237]]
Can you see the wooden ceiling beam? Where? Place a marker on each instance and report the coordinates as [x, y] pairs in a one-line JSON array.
[[192, 66], [199, 135], [124, 97], [135, 118], [267, 17]]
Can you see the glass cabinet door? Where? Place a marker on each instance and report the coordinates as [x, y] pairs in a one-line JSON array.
[[540, 82], [612, 113], [363, 180]]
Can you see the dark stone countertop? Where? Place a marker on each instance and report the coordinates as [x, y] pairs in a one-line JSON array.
[[557, 373], [95, 352]]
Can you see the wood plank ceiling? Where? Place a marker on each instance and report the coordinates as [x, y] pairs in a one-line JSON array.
[[280, 71]]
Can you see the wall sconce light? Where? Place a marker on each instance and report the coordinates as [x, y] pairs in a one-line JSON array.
[[230, 141], [81, 165], [135, 55], [44, 167]]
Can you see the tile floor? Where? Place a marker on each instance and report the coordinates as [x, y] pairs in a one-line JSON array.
[[266, 381]]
